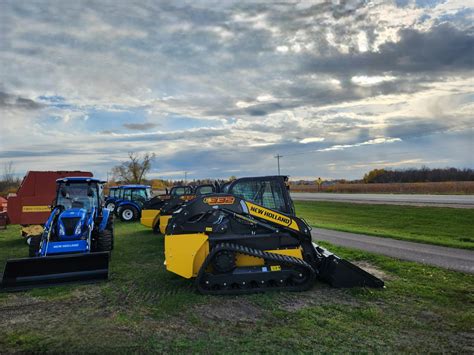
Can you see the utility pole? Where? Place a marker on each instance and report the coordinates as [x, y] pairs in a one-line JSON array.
[[278, 156], [185, 177]]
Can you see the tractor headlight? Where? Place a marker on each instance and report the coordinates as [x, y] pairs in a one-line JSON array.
[[78, 229], [61, 230]]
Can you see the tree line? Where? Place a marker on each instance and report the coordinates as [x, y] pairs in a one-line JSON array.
[[423, 174]]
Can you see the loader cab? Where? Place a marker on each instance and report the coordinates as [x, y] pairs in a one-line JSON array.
[[204, 189], [180, 191], [79, 193], [267, 191]]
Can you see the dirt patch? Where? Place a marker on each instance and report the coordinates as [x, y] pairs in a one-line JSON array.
[[372, 269], [22, 309], [318, 295], [236, 310]]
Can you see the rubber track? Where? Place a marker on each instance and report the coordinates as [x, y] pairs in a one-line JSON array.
[[278, 258]]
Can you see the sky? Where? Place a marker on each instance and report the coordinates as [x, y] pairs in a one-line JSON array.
[[218, 88]]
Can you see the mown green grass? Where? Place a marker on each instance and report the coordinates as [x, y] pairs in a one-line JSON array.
[[451, 227], [143, 308]]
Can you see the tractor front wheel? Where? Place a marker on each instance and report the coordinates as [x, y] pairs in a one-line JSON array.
[[105, 242], [34, 245], [110, 206], [128, 214]]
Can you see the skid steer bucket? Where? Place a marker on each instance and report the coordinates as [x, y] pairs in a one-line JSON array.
[[341, 273], [21, 274]]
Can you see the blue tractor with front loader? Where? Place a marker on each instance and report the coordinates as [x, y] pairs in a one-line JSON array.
[[75, 244]]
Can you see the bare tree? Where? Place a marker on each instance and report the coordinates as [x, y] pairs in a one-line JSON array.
[[8, 172], [135, 169], [8, 181]]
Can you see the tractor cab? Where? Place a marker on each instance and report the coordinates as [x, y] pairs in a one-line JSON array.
[[138, 194], [77, 200], [79, 193], [131, 201]]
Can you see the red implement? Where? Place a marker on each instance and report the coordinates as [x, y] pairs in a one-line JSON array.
[[32, 202]]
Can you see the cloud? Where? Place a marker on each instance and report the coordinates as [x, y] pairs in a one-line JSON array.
[[9, 101], [380, 140], [311, 140], [140, 126], [222, 86], [441, 49]]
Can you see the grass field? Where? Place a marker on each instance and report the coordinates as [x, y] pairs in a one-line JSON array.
[[447, 187], [144, 308], [450, 227]]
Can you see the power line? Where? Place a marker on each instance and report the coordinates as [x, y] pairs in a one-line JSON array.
[[278, 156]]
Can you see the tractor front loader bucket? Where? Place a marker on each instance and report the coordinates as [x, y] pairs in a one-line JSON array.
[[341, 273], [21, 274]]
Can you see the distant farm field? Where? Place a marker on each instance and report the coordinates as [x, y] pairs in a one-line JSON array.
[[451, 187], [451, 227], [143, 308]]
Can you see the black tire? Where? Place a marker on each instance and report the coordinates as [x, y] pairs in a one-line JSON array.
[[156, 227], [128, 214], [34, 245], [105, 240]]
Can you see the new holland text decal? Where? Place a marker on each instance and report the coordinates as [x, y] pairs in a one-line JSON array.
[[272, 216]]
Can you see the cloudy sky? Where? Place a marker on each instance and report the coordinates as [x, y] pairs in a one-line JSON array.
[[217, 88]]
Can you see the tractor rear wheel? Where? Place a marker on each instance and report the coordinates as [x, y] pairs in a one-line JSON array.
[[34, 245], [105, 242], [128, 214]]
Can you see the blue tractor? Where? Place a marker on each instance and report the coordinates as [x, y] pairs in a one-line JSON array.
[[130, 203], [76, 241], [114, 195]]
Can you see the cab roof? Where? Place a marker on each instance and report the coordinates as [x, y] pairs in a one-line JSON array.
[[134, 187], [81, 179]]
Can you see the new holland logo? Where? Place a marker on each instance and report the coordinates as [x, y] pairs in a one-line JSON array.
[[269, 215], [221, 200]]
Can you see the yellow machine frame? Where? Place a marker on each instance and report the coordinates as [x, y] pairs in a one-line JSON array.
[[185, 253], [149, 218]]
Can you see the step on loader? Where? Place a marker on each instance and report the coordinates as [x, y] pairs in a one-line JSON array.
[[75, 244], [251, 241]]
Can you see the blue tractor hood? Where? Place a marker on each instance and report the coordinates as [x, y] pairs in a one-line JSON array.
[[72, 224]]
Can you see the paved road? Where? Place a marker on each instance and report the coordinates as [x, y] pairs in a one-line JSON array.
[[461, 201], [448, 258]]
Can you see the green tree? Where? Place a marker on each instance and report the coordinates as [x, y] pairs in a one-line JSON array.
[[372, 175]]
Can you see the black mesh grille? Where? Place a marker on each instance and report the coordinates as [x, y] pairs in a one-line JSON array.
[[70, 224]]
